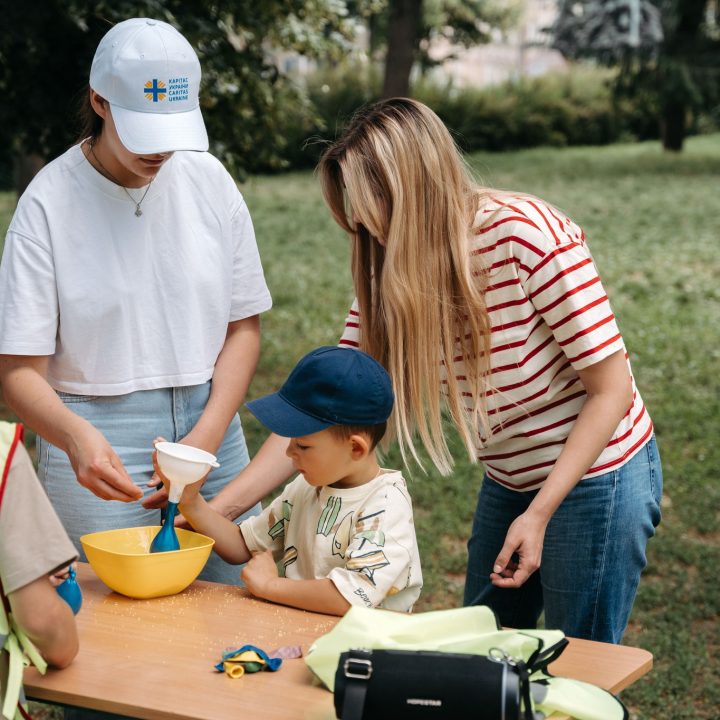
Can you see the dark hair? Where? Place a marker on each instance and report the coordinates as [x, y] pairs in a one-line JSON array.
[[374, 433], [89, 122]]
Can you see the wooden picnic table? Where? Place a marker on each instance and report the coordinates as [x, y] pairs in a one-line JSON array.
[[154, 659]]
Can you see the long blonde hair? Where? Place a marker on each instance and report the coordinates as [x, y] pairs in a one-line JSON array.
[[397, 176]]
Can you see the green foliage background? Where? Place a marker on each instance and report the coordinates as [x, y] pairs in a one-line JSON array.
[[263, 120], [558, 109], [46, 50], [674, 61], [651, 222]]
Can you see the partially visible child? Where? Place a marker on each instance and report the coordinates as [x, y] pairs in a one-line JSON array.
[[342, 531]]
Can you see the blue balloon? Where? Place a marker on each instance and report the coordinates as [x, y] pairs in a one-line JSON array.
[[167, 539], [70, 592]]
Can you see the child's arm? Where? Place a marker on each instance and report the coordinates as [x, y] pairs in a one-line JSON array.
[[261, 577], [47, 620], [229, 542]]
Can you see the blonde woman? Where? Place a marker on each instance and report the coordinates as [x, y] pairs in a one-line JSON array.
[[487, 305]]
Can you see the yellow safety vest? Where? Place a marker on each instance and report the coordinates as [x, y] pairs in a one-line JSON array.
[[13, 641]]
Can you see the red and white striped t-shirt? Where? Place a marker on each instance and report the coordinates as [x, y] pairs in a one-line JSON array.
[[550, 317]]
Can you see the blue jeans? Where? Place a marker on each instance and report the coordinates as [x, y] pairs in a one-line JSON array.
[[130, 423], [592, 558]]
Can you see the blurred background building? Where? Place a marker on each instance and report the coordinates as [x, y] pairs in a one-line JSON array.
[[520, 52]]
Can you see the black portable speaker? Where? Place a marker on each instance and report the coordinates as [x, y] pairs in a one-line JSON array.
[[414, 685]]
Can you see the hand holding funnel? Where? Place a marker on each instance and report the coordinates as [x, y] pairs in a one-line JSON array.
[[180, 465]]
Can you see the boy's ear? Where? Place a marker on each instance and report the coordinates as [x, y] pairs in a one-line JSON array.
[[359, 446]]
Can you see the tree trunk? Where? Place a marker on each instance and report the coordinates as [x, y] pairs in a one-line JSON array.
[[672, 126], [374, 36], [25, 167], [683, 50], [402, 42]]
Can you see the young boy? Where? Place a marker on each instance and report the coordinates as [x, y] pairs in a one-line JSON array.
[[342, 530]]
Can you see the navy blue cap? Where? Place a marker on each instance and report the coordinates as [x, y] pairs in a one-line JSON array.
[[329, 386]]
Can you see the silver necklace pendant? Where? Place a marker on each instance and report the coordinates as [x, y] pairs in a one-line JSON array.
[[138, 211]]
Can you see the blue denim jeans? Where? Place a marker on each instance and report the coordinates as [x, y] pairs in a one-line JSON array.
[[592, 558], [130, 423]]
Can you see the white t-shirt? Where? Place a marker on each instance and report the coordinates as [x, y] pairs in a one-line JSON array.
[[361, 538], [124, 303]]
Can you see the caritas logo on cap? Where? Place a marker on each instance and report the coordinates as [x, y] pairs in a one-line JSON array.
[[175, 90], [155, 90], [144, 66]]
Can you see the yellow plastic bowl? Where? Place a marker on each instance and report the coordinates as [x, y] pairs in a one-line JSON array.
[[123, 561]]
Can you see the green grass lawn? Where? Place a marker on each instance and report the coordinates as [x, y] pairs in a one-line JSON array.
[[651, 220]]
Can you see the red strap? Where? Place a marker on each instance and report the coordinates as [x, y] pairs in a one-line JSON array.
[[3, 482], [8, 462]]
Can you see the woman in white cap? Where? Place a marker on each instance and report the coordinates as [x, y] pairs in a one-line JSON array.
[[130, 292]]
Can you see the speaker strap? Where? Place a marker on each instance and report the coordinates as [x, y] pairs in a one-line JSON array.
[[358, 670]]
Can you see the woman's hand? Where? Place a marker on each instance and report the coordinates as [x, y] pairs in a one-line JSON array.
[[259, 572], [609, 395], [521, 554], [234, 369], [98, 467]]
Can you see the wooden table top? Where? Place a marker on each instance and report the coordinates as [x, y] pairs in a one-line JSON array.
[[154, 659]]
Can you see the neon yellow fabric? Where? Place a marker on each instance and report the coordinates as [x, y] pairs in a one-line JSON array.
[[7, 435], [462, 630], [470, 630], [580, 700]]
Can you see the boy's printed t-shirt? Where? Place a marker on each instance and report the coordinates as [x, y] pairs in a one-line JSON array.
[[361, 538]]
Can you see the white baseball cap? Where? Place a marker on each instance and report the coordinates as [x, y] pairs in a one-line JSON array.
[[150, 75]]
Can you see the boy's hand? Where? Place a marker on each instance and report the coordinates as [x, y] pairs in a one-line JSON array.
[[259, 573], [159, 498]]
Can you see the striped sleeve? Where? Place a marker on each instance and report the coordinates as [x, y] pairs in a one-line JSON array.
[[351, 332], [565, 289]]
